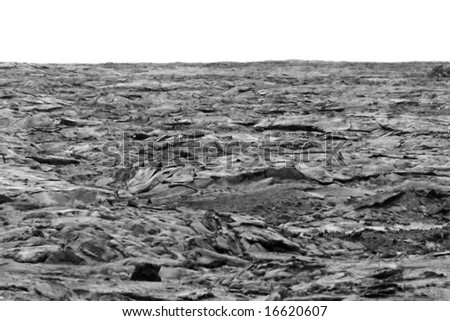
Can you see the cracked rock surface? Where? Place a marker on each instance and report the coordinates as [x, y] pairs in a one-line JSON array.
[[257, 181]]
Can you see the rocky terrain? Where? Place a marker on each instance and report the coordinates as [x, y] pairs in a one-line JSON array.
[[258, 181]]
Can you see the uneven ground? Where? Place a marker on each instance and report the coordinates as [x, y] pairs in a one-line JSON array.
[[224, 184]]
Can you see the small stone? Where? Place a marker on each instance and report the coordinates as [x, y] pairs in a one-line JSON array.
[[146, 272], [64, 257]]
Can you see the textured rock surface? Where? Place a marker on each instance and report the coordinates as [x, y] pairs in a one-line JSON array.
[[194, 170]]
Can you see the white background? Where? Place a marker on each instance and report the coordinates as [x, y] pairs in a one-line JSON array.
[[217, 30]]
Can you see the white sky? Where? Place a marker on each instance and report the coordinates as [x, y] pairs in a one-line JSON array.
[[94, 31]]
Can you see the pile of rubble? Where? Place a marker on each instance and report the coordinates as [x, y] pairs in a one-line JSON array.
[[439, 72]]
